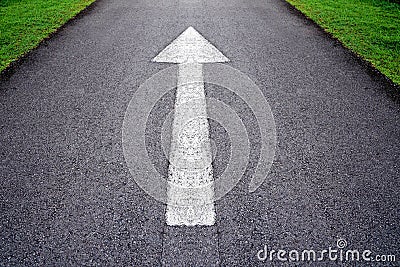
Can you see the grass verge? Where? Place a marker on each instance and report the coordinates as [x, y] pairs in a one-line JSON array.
[[25, 23], [370, 28]]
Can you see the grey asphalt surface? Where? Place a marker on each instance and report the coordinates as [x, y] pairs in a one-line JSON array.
[[67, 197]]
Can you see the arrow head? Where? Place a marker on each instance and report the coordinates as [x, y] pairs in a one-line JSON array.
[[190, 46]]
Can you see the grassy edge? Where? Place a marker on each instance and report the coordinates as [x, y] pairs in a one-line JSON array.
[[11, 67], [368, 63]]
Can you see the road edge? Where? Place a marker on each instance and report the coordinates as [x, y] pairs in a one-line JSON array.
[[391, 88], [14, 65]]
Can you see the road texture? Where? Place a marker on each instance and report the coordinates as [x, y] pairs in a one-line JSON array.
[[67, 197]]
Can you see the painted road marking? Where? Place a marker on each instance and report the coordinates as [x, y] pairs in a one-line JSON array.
[[190, 190]]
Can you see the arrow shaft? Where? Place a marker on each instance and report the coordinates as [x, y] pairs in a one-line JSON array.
[[190, 190]]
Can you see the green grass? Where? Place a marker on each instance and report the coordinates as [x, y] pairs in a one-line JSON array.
[[371, 28], [24, 23]]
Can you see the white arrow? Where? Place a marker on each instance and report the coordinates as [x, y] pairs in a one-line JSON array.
[[190, 178]]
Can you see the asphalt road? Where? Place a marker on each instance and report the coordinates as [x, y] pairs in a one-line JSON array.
[[67, 197]]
